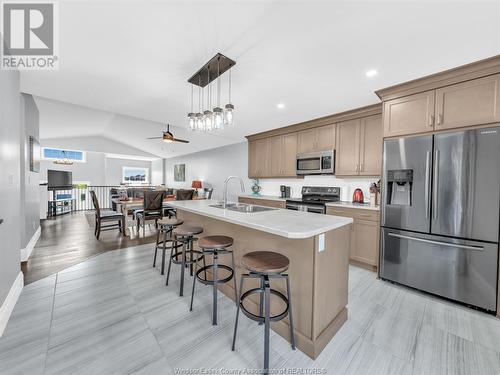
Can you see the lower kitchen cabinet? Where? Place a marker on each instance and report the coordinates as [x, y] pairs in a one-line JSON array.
[[262, 202], [365, 234]]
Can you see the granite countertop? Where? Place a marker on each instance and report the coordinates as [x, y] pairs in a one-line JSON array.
[[362, 206], [281, 222], [268, 197]]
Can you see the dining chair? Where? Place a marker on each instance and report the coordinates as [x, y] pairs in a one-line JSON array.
[[106, 216], [184, 195], [208, 192], [152, 209]]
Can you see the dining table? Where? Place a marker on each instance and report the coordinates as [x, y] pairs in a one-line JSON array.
[[126, 205]]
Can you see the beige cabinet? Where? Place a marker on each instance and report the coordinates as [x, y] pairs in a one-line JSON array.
[[263, 202], [258, 158], [317, 139], [370, 149], [359, 147], [410, 114], [283, 151], [468, 103], [347, 148], [365, 234]]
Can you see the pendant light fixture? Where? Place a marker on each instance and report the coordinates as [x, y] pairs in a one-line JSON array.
[[229, 108], [211, 118]]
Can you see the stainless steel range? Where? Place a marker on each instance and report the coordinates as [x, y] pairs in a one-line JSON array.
[[314, 199]]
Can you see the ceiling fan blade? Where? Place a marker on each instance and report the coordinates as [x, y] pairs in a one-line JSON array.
[[155, 138], [180, 140]]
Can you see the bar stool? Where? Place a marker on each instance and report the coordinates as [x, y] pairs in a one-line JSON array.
[[265, 265], [214, 246], [164, 229], [185, 236]]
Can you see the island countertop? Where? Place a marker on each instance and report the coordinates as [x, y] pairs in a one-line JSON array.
[[281, 222]]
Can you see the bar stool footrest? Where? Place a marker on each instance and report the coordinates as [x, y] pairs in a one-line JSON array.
[[260, 318], [211, 282], [197, 256]]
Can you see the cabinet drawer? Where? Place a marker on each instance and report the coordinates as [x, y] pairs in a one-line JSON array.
[[262, 202], [355, 213]]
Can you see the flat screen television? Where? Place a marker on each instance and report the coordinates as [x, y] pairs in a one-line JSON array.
[[59, 180]]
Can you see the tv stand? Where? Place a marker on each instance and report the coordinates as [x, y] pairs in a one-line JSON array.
[[60, 206]]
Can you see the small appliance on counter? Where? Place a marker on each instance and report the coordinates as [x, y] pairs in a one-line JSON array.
[[357, 196], [285, 191]]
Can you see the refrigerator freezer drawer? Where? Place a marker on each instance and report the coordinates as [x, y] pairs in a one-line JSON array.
[[465, 271]]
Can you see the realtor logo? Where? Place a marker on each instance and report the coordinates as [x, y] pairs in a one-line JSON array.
[[30, 33]]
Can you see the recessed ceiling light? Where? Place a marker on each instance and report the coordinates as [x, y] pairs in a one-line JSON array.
[[371, 73], [280, 105]]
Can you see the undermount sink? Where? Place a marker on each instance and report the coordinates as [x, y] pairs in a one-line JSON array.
[[243, 207]]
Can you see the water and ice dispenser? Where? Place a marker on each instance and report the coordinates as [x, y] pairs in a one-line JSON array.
[[400, 187]]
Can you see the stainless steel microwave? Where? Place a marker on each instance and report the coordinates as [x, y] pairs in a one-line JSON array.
[[319, 162]]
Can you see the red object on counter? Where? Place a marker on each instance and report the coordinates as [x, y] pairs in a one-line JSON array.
[[358, 197]]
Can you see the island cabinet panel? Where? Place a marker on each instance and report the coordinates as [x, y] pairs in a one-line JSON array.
[[468, 103], [364, 247], [370, 150], [318, 278], [317, 139], [262, 202], [410, 114]]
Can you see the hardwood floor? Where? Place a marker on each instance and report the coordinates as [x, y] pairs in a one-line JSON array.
[[113, 314], [69, 239]]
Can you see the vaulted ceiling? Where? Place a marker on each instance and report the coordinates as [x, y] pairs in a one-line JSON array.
[[124, 64]]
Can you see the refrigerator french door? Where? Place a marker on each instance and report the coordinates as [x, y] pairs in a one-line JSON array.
[[440, 214]]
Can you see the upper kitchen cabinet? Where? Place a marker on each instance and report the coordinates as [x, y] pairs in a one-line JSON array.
[[258, 158], [283, 150], [461, 97], [359, 147], [370, 157], [317, 139], [347, 148], [410, 114], [468, 103]]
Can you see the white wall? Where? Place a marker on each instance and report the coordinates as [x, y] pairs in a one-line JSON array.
[[157, 172], [213, 166], [97, 170]]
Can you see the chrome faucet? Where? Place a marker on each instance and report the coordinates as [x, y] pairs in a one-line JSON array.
[[224, 197]]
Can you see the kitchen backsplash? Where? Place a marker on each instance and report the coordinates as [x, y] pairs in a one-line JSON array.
[[347, 185]]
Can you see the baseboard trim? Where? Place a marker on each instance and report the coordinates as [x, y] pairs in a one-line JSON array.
[[26, 252], [10, 301]]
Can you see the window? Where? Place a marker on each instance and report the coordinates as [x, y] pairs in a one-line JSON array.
[[135, 175], [57, 153]]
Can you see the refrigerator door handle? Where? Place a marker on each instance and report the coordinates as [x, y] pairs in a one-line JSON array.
[[435, 185], [465, 247], [427, 182]]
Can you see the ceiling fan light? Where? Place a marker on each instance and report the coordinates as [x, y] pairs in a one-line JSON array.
[[228, 114]]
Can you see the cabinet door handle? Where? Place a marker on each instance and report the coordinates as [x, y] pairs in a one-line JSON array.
[[357, 167], [361, 167], [440, 119], [431, 120]]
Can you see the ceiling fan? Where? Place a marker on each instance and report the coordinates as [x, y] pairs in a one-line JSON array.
[[168, 137]]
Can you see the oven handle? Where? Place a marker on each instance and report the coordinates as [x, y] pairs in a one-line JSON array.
[[466, 247]]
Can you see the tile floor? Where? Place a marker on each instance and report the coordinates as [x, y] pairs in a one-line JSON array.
[[112, 314]]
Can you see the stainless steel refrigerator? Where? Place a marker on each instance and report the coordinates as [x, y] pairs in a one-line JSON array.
[[440, 214]]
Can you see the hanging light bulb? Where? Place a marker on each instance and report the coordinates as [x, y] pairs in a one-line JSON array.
[[208, 113], [191, 116], [229, 108], [218, 122]]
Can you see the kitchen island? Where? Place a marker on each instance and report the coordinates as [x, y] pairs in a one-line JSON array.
[[318, 249]]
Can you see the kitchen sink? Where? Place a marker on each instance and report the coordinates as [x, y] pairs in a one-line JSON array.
[[243, 207]]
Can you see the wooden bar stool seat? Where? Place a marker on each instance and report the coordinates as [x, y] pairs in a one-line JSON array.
[[265, 262], [187, 230], [172, 222], [214, 246], [265, 265]]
